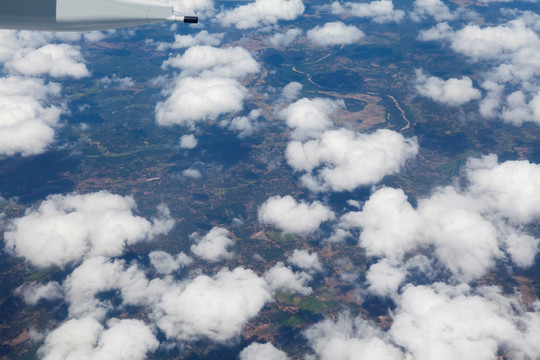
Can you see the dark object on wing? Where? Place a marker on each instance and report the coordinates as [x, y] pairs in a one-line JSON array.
[[85, 15]]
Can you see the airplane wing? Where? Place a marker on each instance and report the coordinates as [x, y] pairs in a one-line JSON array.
[[84, 15]]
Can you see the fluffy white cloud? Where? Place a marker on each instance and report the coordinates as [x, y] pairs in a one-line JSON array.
[[308, 117], [493, 41], [342, 160], [291, 91], [215, 307], [213, 246], [165, 263], [185, 41], [196, 99], [438, 321], [381, 11], [34, 292], [57, 60], [28, 121], [511, 51], [87, 339], [121, 83], [29, 116], [192, 173], [400, 231], [284, 39], [334, 33], [207, 87], [453, 92], [295, 217], [453, 322], [432, 8], [384, 278], [243, 125], [257, 351], [306, 261], [261, 12], [349, 338], [281, 277], [231, 62], [98, 274], [34, 54], [65, 229], [188, 141], [467, 229], [510, 188], [212, 307]]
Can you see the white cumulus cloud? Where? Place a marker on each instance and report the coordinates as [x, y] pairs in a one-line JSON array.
[[215, 307], [213, 246], [186, 41], [380, 11], [510, 51], [261, 13], [286, 38], [306, 261], [334, 33], [258, 351], [188, 141], [342, 160], [350, 338], [231, 62], [28, 121], [66, 229], [431, 8], [449, 322], [165, 263], [281, 277], [87, 339], [195, 99], [308, 117], [468, 229], [291, 216], [453, 92]]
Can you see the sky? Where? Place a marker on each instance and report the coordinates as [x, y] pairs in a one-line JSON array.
[[431, 252]]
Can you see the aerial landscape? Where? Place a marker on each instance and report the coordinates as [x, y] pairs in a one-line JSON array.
[[286, 179]]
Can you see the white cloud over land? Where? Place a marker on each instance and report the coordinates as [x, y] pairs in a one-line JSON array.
[[381, 11], [213, 246], [212, 307], [439, 321], [66, 229], [453, 92], [28, 121], [257, 351], [261, 13], [342, 160], [334, 33], [295, 217], [208, 85], [207, 61], [196, 99], [511, 51], [467, 229], [87, 339]]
